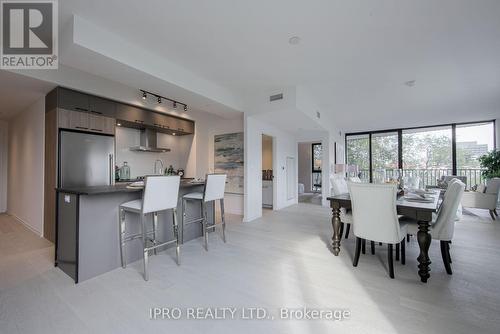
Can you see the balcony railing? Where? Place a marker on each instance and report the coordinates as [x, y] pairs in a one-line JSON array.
[[429, 177]]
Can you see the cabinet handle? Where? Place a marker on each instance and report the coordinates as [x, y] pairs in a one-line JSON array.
[[96, 130], [139, 121], [180, 129], [96, 112], [81, 109], [81, 127]]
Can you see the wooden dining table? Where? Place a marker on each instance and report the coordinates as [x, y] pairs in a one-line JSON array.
[[419, 211]]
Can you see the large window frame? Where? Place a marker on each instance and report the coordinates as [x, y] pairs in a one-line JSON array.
[[400, 141], [316, 174]]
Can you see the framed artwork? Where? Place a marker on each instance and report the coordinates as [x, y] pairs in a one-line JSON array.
[[228, 159]]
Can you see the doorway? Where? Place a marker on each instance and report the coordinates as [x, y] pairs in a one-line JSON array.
[[267, 172], [310, 174]]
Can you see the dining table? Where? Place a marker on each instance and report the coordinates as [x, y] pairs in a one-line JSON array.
[[420, 211]]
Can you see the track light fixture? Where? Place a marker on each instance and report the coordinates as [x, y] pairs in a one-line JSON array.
[[159, 98]]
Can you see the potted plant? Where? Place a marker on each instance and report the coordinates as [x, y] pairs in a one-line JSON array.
[[491, 165]]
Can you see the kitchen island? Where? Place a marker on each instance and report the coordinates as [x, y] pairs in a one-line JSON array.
[[87, 235]]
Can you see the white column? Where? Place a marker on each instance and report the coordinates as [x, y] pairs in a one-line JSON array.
[[497, 125]]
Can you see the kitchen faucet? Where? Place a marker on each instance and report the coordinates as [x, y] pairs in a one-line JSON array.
[[160, 172]]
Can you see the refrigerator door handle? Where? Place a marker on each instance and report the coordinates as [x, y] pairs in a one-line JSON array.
[[111, 170]]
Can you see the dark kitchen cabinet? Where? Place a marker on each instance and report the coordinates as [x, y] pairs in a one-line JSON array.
[[134, 115], [75, 120], [73, 100], [100, 106]]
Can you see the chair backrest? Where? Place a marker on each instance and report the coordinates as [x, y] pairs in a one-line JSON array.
[[444, 226], [374, 212], [214, 187], [339, 184], [448, 178], [355, 179], [493, 186], [160, 193], [412, 182]]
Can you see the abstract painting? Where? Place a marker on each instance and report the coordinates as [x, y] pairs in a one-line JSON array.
[[228, 159]]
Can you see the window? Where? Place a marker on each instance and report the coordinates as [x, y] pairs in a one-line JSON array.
[[358, 153], [385, 152], [317, 158], [317, 154], [473, 141], [426, 153]]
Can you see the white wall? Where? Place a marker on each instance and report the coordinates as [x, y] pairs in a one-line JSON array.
[[305, 165], [284, 146], [4, 144], [201, 157], [142, 163], [26, 166]]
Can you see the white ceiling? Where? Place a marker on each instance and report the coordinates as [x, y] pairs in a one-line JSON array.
[[19, 92], [354, 56]]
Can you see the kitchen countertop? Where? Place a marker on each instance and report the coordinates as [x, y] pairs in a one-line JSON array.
[[117, 188]]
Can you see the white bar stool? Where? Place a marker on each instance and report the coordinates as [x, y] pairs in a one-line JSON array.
[[160, 194], [215, 185]]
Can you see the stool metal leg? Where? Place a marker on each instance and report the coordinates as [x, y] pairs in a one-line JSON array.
[[223, 216], [145, 250], [121, 224], [183, 219], [176, 234], [204, 224], [155, 229]]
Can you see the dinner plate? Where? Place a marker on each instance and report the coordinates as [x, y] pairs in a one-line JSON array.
[[421, 200]]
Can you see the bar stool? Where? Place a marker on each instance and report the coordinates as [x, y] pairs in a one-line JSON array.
[[214, 190], [160, 194]]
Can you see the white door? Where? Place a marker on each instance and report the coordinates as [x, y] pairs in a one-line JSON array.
[[290, 178]]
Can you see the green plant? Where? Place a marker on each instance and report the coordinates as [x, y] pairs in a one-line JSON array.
[[491, 164]]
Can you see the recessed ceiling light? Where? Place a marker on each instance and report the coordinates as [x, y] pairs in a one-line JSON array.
[[294, 40], [410, 83]]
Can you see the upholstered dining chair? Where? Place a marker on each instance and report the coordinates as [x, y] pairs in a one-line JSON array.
[[443, 226], [375, 218], [339, 187], [412, 182], [484, 200]]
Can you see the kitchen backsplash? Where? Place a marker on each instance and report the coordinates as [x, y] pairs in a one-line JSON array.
[[142, 163]]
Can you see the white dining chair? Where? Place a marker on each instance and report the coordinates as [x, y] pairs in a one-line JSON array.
[[355, 179], [375, 218], [215, 185], [443, 226], [160, 194], [339, 187], [412, 182]]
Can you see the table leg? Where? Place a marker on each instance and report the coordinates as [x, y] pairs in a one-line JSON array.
[[336, 229], [424, 242]]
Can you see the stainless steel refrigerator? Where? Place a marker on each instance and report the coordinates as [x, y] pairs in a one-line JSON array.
[[86, 159]]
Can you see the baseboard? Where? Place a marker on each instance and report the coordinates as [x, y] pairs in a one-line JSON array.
[[26, 224]]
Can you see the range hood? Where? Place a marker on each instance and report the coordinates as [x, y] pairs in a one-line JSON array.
[[149, 142]]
